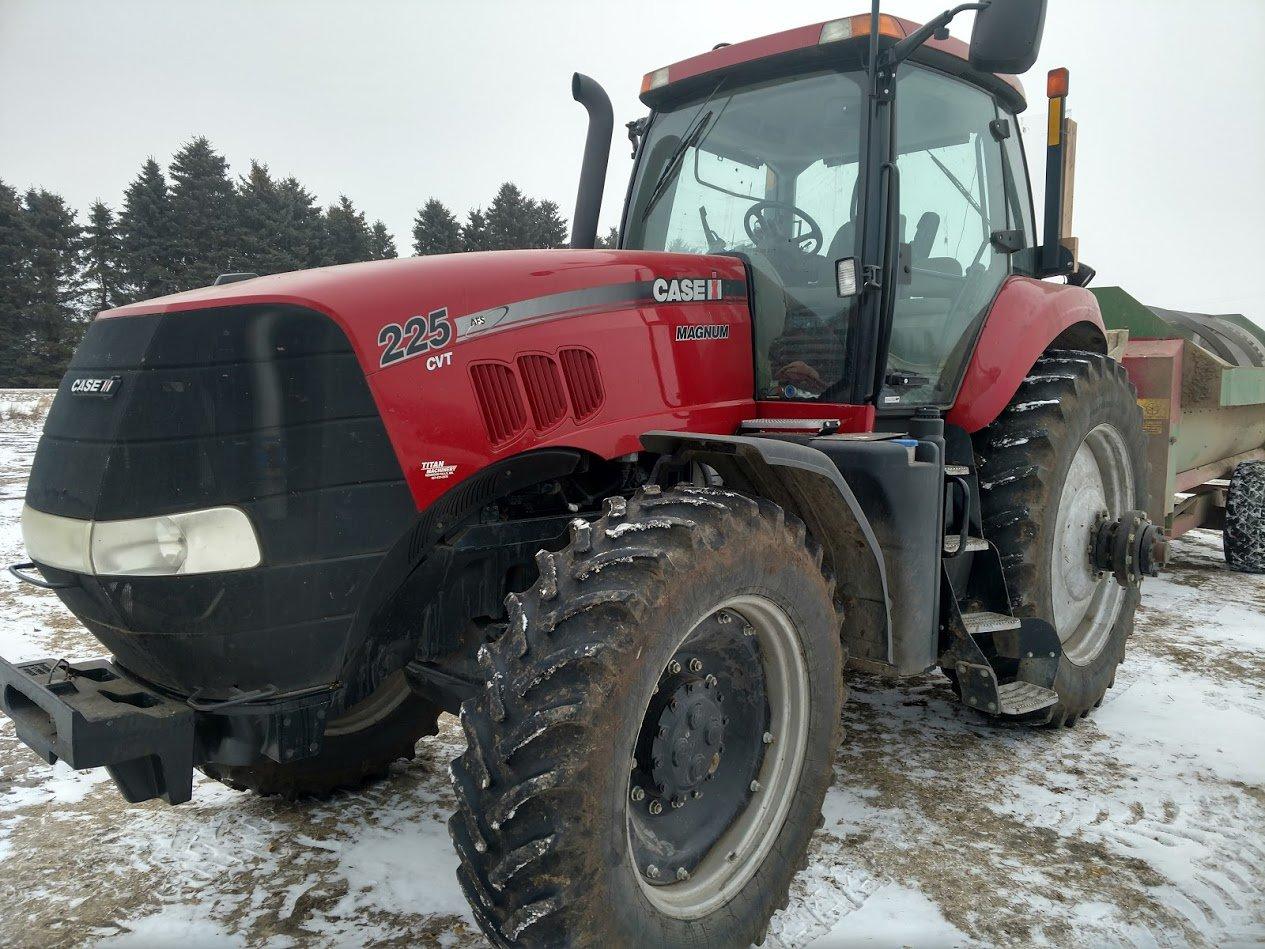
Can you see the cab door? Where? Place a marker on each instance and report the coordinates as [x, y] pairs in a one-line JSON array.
[[952, 204]]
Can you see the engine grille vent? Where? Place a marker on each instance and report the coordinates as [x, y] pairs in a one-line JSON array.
[[584, 382], [499, 401], [545, 394]]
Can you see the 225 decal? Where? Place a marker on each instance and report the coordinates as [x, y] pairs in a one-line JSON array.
[[418, 335]]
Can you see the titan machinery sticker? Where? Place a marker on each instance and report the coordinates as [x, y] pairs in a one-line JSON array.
[[438, 470]]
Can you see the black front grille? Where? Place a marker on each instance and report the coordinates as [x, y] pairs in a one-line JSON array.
[[263, 408]]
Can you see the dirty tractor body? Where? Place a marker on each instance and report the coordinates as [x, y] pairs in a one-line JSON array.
[[630, 512]]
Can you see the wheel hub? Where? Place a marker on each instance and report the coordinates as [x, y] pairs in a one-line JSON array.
[[690, 737], [1129, 547]]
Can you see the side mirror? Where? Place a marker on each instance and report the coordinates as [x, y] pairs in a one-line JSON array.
[[1007, 36]]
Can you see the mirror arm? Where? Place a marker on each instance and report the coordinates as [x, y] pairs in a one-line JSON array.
[[902, 50]]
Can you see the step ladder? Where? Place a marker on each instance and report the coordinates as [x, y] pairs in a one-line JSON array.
[[1004, 665]]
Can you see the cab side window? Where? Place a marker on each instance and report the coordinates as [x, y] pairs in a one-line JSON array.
[[1018, 190]]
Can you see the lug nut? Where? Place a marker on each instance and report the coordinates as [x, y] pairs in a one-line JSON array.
[[677, 802], [682, 874], [652, 871], [724, 617], [696, 794], [768, 738], [637, 793], [696, 665], [755, 786], [710, 681], [655, 808], [674, 667]]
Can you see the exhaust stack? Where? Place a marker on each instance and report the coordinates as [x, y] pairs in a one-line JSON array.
[[597, 149]]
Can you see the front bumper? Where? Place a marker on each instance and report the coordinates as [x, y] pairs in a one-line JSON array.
[[94, 714]]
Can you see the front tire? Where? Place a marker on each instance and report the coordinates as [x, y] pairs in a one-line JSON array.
[[1068, 449], [685, 642]]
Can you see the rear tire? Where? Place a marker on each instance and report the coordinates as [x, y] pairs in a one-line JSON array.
[[358, 748], [1069, 445], [1244, 533], [550, 826]]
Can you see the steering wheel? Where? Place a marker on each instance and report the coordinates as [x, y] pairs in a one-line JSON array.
[[765, 231]]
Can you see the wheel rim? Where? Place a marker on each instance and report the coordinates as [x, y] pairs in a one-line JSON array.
[[1086, 602], [380, 703], [764, 744]]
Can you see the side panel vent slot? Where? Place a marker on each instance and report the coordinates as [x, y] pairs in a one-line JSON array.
[[584, 382], [545, 394], [499, 400]]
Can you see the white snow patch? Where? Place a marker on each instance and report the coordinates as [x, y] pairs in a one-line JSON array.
[[406, 867], [182, 925], [894, 915]]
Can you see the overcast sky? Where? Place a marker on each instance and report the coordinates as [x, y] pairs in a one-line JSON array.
[[393, 103]]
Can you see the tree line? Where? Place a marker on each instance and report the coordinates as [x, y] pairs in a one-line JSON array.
[[181, 227]]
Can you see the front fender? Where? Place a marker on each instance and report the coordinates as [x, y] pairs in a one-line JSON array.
[[1027, 315], [807, 484]]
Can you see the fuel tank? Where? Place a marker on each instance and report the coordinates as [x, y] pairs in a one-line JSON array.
[[224, 471]]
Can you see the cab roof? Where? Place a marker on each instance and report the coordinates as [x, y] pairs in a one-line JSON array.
[[814, 44]]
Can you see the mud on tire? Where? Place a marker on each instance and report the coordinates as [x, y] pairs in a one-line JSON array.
[[1244, 533], [350, 756], [542, 827], [1023, 459]]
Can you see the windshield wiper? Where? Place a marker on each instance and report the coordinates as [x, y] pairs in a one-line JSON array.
[[674, 163]]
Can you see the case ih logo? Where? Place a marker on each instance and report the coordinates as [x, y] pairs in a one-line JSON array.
[[93, 385], [686, 290]]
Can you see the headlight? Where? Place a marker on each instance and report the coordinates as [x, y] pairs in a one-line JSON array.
[[207, 541]]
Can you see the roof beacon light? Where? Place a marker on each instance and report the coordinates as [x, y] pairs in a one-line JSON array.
[[653, 80], [854, 26]]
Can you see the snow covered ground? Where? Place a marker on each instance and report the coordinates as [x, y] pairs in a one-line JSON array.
[[1143, 826]]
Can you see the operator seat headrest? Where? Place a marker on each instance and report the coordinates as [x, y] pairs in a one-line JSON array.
[[844, 242]]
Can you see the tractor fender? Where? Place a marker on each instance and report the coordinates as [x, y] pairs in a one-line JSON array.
[[1027, 317], [806, 483]]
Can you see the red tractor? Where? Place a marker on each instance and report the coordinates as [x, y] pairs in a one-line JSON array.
[[629, 513]]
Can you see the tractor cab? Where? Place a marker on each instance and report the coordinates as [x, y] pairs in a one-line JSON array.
[[877, 231]]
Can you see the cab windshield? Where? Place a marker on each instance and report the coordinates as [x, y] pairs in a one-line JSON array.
[[769, 171]]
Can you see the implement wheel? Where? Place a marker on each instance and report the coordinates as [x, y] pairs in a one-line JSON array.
[[1067, 454], [650, 757], [1244, 534]]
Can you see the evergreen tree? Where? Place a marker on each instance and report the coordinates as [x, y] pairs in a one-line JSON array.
[[278, 224], [13, 285], [510, 220], [610, 241], [303, 224], [474, 233], [347, 236], [381, 243], [435, 230], [261, 239], [102, 256], [204, 213], [147, 235], [51, 315], [548, 228]]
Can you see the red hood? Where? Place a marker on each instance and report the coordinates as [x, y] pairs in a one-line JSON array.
[[363, 297]]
